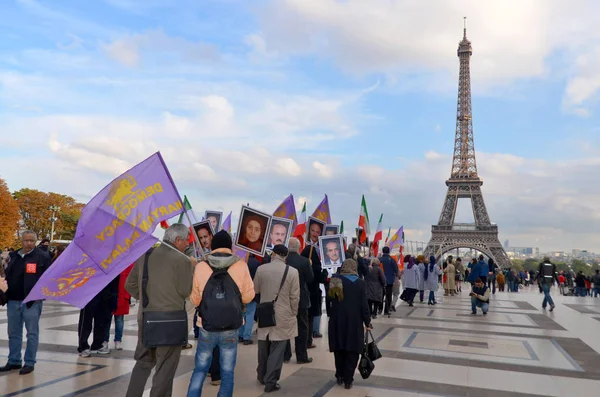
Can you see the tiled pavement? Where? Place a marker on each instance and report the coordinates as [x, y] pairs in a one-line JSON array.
[[517, 350]]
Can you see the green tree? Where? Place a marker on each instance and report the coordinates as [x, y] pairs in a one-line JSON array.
[[9, 216], [578, 265], [531, 264], [517, 264]]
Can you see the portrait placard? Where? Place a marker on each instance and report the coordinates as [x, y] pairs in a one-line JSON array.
[[331, 230], [332, 251], [315, 228], [279, 232], [205, 233], [252, 230], [215, 218]]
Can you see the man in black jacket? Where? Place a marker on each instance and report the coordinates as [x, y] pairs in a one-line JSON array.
[[305, 271], [25, 267]]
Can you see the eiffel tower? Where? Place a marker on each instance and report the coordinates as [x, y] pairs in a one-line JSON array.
[[465, 183]]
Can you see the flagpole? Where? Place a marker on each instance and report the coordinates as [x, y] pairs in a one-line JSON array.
[[173, 248], [195, 235]]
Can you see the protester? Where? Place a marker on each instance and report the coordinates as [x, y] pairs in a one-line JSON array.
[[348, 311], [220, 304], [547, 276], [169, 284], [410, 280], [121, 311], [421, 266], [390, 268], [316, 295], [97, 314], [279, 283], [492, 271], [306, 276], [375, 281], [25, 267], [480, 296], [431, 275]]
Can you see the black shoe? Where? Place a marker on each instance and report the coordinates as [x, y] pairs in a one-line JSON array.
[[429, 303], [248, 342], [26, 370], [317, 335], [312, 346], [393, 308], [410, 305], [473, 312], [260, 381], [348, 386], [240, 339], [187, 346], [340, 380], [308, 361], [485, 313], [10, 367], [552, 308], [271, 389], [386, 313]]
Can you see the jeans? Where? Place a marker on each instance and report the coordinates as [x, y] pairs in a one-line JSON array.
[[119, 325], [547, 298], [431, 297], [511, 286], [580, 291], [475, 303], [492, 283], [18, 314], [596, 291], [421, 295], [316, 325], [227, 342], [246, 329]]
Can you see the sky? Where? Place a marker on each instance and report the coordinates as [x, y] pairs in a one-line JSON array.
[[249, 101]]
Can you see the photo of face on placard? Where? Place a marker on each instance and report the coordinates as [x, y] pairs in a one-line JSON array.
[[205, 233], [331, 230], [252, 230], [280, 231], [215, 219], [316, 228], [332, 251]]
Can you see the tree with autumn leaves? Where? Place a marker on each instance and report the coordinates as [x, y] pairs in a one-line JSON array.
[[30, 209]]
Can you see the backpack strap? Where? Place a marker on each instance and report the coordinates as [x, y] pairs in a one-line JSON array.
[[285, 272], [145, 300]]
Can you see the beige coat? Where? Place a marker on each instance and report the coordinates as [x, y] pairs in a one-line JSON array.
[[266, 283], [450, 283]]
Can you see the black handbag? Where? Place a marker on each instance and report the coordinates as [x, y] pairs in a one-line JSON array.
[[161, 328], [372, 350], [265, 312], [365, 366]]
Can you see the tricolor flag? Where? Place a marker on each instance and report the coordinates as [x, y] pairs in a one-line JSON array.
[[188, 208], [227, 223], [300, 230], [363, 221], [378, 235], [388, 236], [322, 212]]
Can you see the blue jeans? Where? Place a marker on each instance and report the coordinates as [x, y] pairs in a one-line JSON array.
[[316, 325], [18, 314], [511, 286], [475, 303], [580, 291], [119, 325], [246, 330], [227, 342], [431, 296], [547, 298], [596, 291]]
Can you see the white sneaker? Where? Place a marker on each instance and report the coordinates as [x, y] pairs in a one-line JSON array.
[[102, 350], [118, 346], [86, 353]]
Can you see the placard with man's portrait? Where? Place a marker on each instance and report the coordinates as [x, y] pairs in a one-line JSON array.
[[215, 218], [331, 230], [252, 230], [332, 251], [280, 232], [205, 233], [315, 228]]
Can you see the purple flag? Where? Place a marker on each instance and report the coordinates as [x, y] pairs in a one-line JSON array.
[[396, 239], [322, 212], [227, 223], [238, 251], [114, 230], [287, 209]]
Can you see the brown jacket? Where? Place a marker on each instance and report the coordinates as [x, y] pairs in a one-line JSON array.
[[266, 283], [169, 280]]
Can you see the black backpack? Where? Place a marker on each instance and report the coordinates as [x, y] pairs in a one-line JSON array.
[[221, 308]]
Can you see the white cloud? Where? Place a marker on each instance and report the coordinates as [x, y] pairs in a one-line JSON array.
[[324, 170]]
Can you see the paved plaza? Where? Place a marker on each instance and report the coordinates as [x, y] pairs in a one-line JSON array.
[[518, 349]]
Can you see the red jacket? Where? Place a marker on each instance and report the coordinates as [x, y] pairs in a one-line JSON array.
[[123, 299]]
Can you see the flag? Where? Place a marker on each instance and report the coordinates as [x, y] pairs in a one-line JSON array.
[[300, 229], [397, 239], [164, 224], [188, 208], [227, 223], [322, 211], [363, 221], [114, 230], [287, 209], [378, 235], [388, 236], [240, 252]]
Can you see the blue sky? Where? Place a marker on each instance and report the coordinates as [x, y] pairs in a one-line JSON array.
[[249, 101]]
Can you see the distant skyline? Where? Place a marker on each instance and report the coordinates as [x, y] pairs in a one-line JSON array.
[[249, 101]]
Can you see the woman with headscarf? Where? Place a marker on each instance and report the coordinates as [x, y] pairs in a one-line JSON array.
[[375, 285], [410, 279], [450, 283], [432, 274], [348, 312], [421, 265], [252, 233]]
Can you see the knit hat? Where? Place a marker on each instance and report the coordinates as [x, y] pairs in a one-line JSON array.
[[386, 250], [280, 250], [221, 240]]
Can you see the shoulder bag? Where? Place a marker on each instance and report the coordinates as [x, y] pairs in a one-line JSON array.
[[161, 328], [265, 312]]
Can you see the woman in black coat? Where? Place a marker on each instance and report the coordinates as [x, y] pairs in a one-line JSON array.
[[348, 312], [314, 288]]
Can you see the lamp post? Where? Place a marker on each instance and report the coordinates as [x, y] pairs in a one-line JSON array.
[[54, 210]]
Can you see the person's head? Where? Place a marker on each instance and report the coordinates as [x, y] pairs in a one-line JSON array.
[[280, 251], [353, 251], [474, 260], [278, 233], [375, 262], [386, 250], [294, 245], [221, 240], [315, 231], [479, 283], [253, 229], [329, 232], [28, 239], [213, 221], [178, 236], [205, 236], [481, 257], [490, 261], [332, 251], [458, 260], [407, 258], [581, 272], [420, 259], [45, 243]]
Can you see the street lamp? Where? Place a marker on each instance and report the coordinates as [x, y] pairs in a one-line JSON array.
[[54, 210]]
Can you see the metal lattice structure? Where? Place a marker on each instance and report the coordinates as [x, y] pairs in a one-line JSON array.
[[464, 182]]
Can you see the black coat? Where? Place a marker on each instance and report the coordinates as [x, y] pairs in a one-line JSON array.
[[305, 272], [362, 265], [347, 318], [37, 256], [3, 298], [320, 277]]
